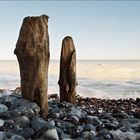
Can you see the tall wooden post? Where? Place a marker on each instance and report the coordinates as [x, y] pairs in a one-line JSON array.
[[32, 51], [67, 77]]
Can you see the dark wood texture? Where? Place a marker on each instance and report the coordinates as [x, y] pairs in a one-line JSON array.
[[67, 77], [32, 51]]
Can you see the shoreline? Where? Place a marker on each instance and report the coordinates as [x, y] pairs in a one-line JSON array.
[[88, 119]]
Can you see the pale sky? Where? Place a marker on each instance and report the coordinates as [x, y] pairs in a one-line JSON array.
[[100, 29]]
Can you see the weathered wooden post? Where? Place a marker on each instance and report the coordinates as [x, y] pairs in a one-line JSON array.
[[67, 77], [32, 51]]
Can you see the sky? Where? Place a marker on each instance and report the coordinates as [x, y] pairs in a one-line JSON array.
[[101, 30]]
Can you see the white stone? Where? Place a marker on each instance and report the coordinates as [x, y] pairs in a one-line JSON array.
[[51, 134], [1, 122]]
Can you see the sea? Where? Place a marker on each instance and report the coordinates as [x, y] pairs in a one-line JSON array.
[[108, 79]]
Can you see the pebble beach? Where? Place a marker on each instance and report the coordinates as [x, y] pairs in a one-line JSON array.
[[88, 119]]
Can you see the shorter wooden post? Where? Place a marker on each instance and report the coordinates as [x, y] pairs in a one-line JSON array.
[[67, 77]]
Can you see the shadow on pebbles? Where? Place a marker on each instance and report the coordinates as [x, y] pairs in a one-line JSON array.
[[89, 119]]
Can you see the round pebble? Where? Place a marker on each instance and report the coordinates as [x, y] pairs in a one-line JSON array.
[[3, 108]]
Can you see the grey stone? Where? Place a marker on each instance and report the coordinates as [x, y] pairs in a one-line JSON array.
[[88, 135], [3, 108], [28, 108], [93, 120], [76, 112], [51, 134], [119, 135], [2, 135], [22, 121], [1, 122], [110, 126], [88, 127], [17, 137], [133, 120], [126, 129], [135, 126], [26, 132], [74, 119], [9, 100], [37, 123]]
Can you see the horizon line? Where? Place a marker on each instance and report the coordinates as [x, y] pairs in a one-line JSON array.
[[83, 60]]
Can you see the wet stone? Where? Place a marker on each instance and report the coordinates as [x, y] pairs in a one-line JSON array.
[[126, 129], [5, 115], [22, 121], [9, 100], [135, 127], [60, 132], [76, 112], [110, 126], [29, 109], [26, 132], [88, 135], [67, 121], [37, 123], [1, 122], [51, 134], [3, 108], [74, 119], [17, 137], [121, 115], [2, 135], [10, 126], [74, 131], [93, 120], [88, 127]]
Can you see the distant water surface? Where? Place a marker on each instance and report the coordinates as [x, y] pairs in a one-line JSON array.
[[102, 79]]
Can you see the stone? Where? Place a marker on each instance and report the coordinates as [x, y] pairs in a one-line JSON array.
[[32, 51], [22, 121], [37, 123], [111, 126], [2, 135], [17, 137], [60, 132], [120, 115], [107, 116], [29, 109], [55, 113], [51, 134], [26, 132], [102, 133], [3, 108], [10, 126], [65, 126], [88, 135], [93, 120], [126, 129], [74, 119], [119, 135], [5, 115], [9, 100], [133, 120], [67, 76], [1, 122], [135, 127], [74, 131], [88, 127], [75, 112]]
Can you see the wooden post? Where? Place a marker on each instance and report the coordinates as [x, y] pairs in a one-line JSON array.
[[32, 51], [67, 77]]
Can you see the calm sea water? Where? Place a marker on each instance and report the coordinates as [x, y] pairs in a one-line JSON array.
[[102, 79]]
